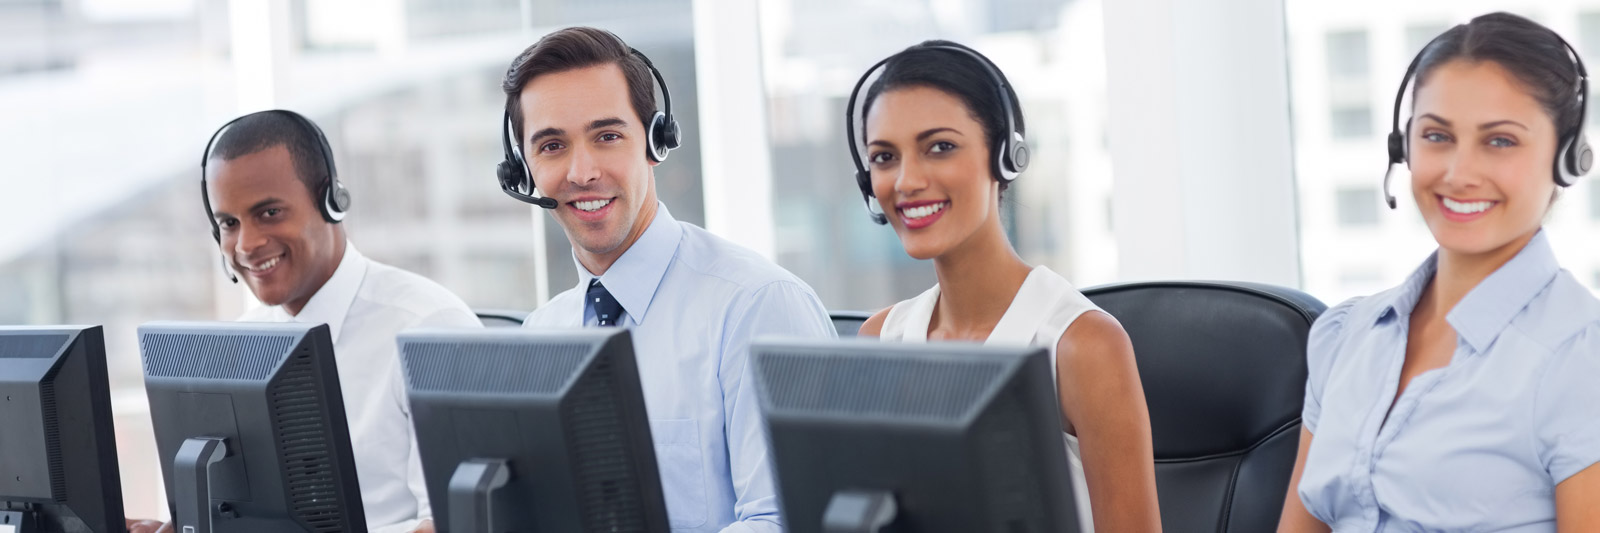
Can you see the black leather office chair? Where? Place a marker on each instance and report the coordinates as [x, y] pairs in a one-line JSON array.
[[848, 323], [501, 318], [1224, 371]]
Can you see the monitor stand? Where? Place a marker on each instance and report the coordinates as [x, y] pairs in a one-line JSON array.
[[471, 489], [859, 511], [191, 471]]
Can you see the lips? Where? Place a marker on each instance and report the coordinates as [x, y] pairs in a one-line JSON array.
[[264, 268], [592, 209], [1459, 210], [916, 215]]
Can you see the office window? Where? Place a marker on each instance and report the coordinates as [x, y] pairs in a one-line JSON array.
[[1588, 43], [1350, 122], [1594, 202], [1358, 206], [1347, 55], [1418, 36]]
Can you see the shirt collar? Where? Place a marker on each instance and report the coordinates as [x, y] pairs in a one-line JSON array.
[[1489, 307], [331, 303], [633, 278], [1403, 299]]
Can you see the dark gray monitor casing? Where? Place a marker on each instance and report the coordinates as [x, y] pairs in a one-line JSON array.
[[533, 431], [914, 438], [270, 394], [58, 456]]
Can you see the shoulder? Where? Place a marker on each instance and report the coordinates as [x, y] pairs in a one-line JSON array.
[[874, 324], [422, 299], [563, 308], [717, 260], [1093, 332], [1562, 315]]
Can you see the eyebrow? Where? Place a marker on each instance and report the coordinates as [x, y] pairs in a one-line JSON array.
[[920, 136], [556, 132], [257, 207], [1484, 126]]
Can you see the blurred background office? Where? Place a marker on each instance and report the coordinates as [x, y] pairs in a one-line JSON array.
[[106, 104]]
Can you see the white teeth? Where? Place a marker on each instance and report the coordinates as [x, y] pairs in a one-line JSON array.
[[1467, 208], [267, 265], [924, 210], [592, 205]]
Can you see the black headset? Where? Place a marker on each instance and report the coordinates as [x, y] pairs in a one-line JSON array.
[[1011, 156], [335, 198], [662, 135], [1573, 160]]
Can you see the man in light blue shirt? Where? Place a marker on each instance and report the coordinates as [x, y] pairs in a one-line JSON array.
[[581, 106]]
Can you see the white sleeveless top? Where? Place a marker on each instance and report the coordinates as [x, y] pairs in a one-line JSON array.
[[1038, 316]]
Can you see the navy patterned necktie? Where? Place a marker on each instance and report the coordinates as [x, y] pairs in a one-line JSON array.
[[605, 306]]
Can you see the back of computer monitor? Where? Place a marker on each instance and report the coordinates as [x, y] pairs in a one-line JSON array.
[[914, 438], [270, 395], [535, 432], [58, 451]]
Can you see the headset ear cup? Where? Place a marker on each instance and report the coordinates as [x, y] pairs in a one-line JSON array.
[[339, 197], [864, 182], [1574, 161], [511, 176], [1397, 148], [656, 133], [1020, 153]]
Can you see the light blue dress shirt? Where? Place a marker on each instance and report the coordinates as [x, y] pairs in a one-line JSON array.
[[694, 302], [1477, 445]]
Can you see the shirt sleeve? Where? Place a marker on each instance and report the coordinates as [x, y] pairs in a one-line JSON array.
[[450, 317], [1322, 347], [779, 309], [1567, 407]]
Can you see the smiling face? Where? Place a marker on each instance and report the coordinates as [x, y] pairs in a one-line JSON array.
[[1481, 154], [930, 165], [273, 236], [585, 148]]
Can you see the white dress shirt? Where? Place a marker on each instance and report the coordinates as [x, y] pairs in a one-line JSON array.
[[365, 304], [693, 302]]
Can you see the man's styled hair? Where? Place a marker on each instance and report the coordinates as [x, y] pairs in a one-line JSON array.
[[575, 48], [261, 131]]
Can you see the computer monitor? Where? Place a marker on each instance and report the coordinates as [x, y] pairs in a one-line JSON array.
[[250, 424], [535, 432], [869, 436], [58, 454]]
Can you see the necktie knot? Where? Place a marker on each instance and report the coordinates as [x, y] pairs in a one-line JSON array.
[[606, 308]]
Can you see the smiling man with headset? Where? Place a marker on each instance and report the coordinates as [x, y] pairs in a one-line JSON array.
[[581, 104], [275, 202]]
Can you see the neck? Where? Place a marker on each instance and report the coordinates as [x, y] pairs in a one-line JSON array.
[[295, 305], [1458, 273], [977, 281], [598, 263]]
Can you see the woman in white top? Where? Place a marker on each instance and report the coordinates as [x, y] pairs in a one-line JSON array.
[[942, 139]]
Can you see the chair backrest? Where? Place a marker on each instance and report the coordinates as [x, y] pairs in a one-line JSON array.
[[1224, 371], [501, 318], [848, 323]]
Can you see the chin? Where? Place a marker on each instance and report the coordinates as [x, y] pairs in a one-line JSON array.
[[922, 250], [1467, 242]]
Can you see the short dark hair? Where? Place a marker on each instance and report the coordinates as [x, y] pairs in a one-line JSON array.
[[574, 48], [260, 131], [956, 73], [1532, 53]]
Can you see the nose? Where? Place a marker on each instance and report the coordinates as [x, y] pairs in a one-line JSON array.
[[247, 239], [582, 169], [1464, 170], [910, 179]]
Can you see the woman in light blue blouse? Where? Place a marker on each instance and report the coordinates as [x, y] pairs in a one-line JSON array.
[[1468, 397]]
